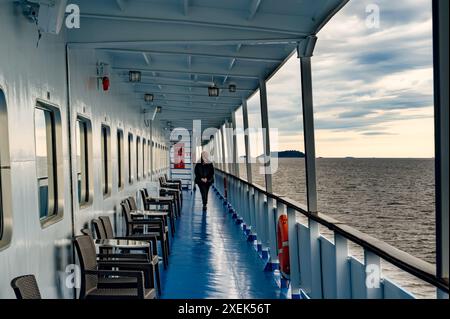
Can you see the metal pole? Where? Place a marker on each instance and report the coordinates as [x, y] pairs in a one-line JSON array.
[[235, 150], [222, 135], [304, 51], [270, 214], [441, 109], [246, 141], [308, 127], [266, 136]]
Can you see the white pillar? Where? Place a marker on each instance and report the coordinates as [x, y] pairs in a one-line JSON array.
[[441, 111], [246, 141], [266, 135], [235, 164]]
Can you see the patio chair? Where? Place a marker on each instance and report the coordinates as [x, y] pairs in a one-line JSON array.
[[25, 287], [92, 270]]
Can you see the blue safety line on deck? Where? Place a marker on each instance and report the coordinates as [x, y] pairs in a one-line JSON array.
[[211, 258]]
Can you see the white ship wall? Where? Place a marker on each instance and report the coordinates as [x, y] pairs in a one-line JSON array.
[[27, 73]]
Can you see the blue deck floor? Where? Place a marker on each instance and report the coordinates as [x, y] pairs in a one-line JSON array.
[[210, 257]]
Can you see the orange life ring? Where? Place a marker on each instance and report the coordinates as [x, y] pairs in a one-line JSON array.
[[283, 245]]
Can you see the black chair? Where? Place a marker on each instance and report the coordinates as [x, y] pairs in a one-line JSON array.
[[92, 270], [25, 287], [155, 214], [161, 201], [135, 229], [153, 256]]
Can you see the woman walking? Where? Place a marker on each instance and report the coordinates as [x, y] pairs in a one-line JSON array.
[[204, 176]]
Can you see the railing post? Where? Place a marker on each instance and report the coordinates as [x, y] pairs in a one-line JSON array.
[[441, 111], [316, 266], [259, 227], [343, 289], [293, 253], [251, 205], [372, 266]]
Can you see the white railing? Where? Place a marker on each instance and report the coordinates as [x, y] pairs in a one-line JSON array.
[[320, 268]]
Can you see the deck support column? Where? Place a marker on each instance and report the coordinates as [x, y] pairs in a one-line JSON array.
[[305, 50], [235, 150], [223, 161], [441, 115], [246, 141], [271, 213]]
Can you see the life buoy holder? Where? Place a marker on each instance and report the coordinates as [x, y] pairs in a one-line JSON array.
[[283, 246]]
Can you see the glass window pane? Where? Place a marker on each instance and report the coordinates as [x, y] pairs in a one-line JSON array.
[[130, 158], [256, 139], [82, 161], [240, 139], [44, 162], [286, 133], [138, 158], [373, 94], [120, 158], [105, 160]]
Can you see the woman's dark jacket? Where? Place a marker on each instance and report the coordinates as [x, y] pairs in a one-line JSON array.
[[204, 171]]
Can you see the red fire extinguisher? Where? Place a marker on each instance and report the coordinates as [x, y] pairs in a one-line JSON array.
[[105, 83]]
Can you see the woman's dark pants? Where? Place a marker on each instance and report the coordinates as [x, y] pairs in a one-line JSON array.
[[204, 189]]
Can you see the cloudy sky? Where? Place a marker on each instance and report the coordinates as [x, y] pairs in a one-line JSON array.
[[373, 89]]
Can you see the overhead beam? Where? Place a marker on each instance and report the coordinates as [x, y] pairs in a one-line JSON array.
[[194, 101], [187, 86], [207, 24], [254, 6], [197, 54], [198, 72], [190, 94]]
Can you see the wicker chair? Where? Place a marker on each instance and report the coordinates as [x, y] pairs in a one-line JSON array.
[[92, 270], [25, 287], [153, 255], [135, 230], [161, 216]]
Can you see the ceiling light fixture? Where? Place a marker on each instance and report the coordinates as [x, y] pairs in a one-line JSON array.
[[213, 91], [148, 97], [135, 76], [232, 88]]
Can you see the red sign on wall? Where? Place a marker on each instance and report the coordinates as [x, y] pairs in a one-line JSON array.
[[178, 157]]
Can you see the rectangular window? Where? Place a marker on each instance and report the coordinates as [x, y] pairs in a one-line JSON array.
[[130, 159], [106, 162], [48, 149], [120, 179], [138, 150], [5, 172], [144, 158], [84, 184]]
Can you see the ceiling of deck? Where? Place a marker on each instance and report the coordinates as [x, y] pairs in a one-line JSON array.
[[183, 46]]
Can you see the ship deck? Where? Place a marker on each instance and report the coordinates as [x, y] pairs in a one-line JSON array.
[[211, 258]]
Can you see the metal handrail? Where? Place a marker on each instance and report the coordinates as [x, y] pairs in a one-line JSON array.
[[413, 265]]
